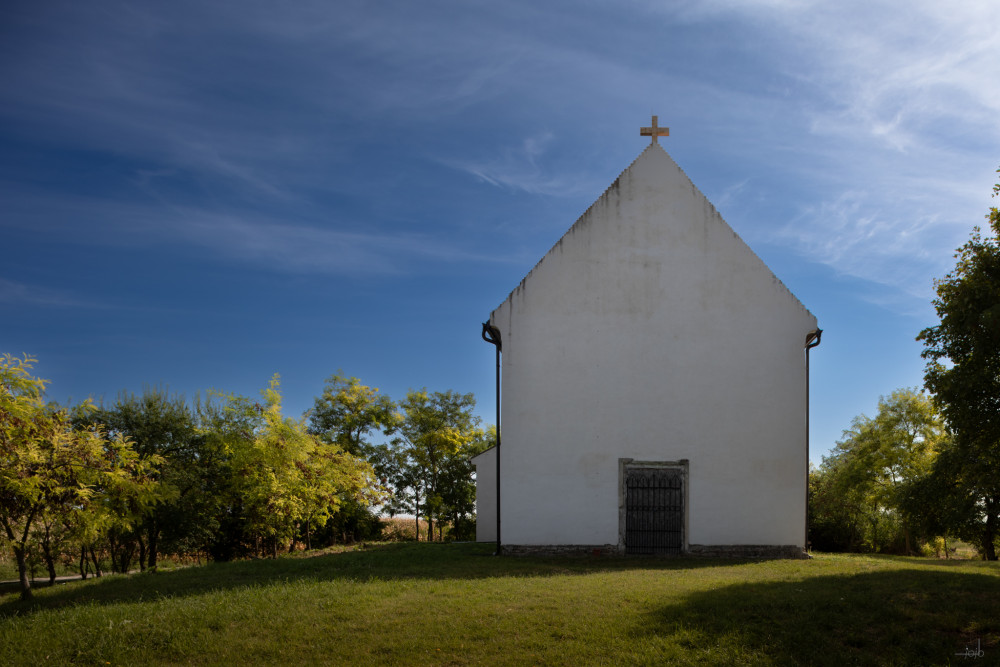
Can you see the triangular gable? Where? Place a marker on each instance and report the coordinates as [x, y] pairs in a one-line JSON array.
[[653, 157]]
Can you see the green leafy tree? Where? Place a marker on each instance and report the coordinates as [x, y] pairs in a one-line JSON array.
[[437, 430], [836, 513], [867, 475], [399, 478], [943, 502], [165, 426], [963, 373]]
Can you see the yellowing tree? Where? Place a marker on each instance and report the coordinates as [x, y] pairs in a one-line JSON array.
[[345, 417], [47, 466], [348, 412], [283, 479]]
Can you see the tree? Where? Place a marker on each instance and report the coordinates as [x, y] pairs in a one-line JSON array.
[[942, 502], [438, 429], [47, 466], [865, 480], [164, 426], [835, 514], [282, 478], [348, 412], [124, 488], [967, 387], [345, 416], [394, 473]]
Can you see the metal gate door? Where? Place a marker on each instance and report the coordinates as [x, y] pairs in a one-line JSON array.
[[654, 511]]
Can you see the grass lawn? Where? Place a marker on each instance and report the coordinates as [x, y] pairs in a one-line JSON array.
[[455, 604]]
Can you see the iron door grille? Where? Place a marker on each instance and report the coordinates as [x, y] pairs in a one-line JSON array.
[[654, 511]]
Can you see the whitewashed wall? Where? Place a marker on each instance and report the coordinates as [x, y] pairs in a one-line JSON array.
[[486, 495], [651, 331]]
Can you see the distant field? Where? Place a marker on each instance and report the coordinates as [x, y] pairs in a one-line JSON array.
[[456, 604]]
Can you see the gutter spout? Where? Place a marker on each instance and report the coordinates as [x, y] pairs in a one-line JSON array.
[[812, 340], [492, 335]]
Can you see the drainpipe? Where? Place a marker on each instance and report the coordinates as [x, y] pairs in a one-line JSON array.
[[492, 335], [812, 340]]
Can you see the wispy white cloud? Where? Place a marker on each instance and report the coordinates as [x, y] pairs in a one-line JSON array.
[[732, 194], [901, 246], [524, 167], [269, 242], [706, 10], [298, 248], [19, 293]]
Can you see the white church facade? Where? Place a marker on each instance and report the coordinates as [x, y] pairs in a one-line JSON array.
[[654, 394]]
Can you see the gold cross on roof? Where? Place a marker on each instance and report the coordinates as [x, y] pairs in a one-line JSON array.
[[655, 132]]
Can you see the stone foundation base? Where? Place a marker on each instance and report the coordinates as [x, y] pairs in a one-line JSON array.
[[561, 550], [768, 551], [749, 551]]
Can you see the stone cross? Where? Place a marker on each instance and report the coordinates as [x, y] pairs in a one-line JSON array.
[[655, 132]]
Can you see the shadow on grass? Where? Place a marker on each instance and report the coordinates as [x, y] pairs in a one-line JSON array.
[[899, 617], [384, 562]]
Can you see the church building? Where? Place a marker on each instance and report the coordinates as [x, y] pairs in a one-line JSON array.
[[653, 378]]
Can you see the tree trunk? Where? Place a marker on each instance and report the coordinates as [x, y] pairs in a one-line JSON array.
[[127, 553], [416, 513], [83, 562], [308, 537], [21, 553], [113, 548], [50, 562], [151, 553], [142, 552], [97, 563]]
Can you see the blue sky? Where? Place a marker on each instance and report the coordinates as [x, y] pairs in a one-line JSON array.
[[201, 194]]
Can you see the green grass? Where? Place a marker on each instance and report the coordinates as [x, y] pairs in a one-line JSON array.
[[458, 605]]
